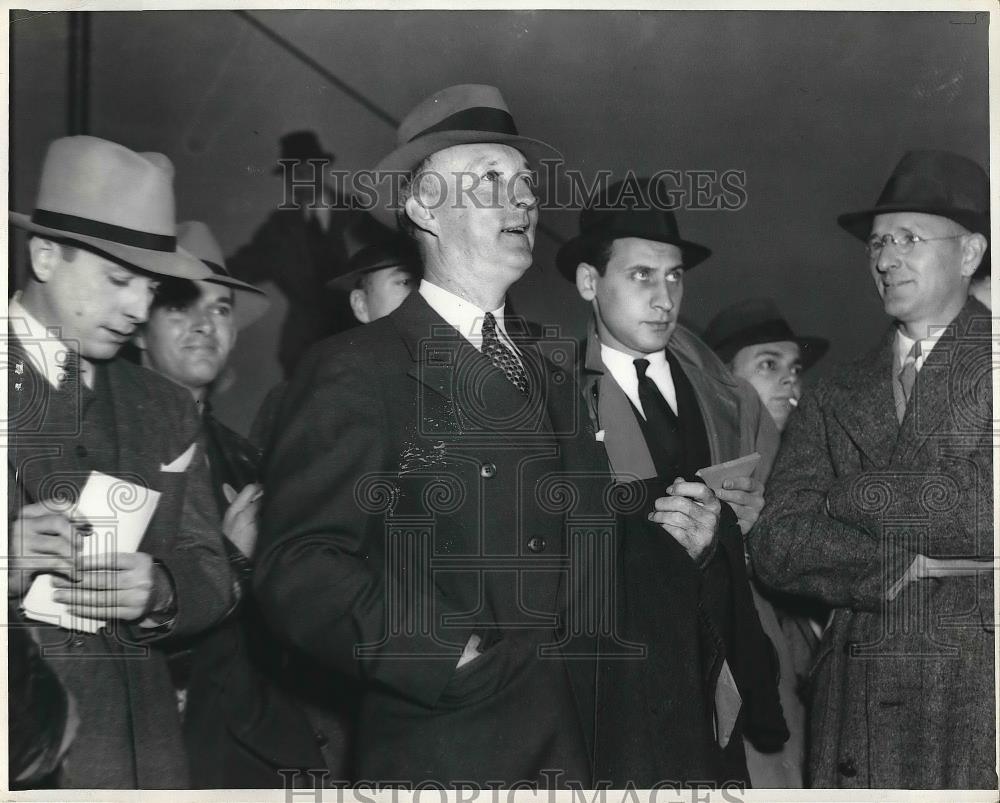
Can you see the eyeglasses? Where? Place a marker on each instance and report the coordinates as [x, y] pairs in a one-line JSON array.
[[904, 243]]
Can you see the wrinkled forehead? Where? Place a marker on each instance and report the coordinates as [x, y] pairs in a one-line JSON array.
[[781, 350], [917, 222], [637, 251], [472, 155]]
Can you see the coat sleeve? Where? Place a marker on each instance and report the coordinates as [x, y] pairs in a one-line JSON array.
[[205, 589], [320, 575], [797, 547]]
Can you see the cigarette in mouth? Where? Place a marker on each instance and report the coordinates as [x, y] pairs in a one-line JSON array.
[[794, 402]]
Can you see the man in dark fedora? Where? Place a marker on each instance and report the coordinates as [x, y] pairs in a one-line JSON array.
[[300, 247], [416, 534], [101, 238], [880, 504], [667, 407], [758, 345]]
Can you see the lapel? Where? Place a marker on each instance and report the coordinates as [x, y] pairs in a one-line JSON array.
[[867, 411], [945, 391], [447, 364], [611, 411]]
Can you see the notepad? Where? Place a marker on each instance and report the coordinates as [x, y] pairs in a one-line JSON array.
[[119, 513]]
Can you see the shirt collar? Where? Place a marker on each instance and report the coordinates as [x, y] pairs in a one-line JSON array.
[[904, 344], [47, 353], [465, 316], [618, 361]]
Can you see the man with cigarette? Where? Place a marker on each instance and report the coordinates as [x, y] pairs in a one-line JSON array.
[[667, 407], [101, 238], [881, 503]]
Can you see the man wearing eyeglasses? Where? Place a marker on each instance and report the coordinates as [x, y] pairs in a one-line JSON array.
[[881, 503]]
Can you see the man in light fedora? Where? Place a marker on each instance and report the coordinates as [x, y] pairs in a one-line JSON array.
[[416, 534], [667, 407], [300, 246], [757, 344], [880, 504], [101, 238]]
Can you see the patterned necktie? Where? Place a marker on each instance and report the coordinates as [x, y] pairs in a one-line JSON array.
[[69, 380], [907, 378], [501, 356], [661, 424]]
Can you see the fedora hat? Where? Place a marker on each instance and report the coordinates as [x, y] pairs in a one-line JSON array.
[[935, 183], [616, 214], [112, 200], [250, 302], [756, 321], [392, 253], [457, 115], [301, 146]]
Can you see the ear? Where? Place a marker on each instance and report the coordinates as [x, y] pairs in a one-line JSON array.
[[586, 281], [359, 305], [973, 250], [421, 217], [45, 257]]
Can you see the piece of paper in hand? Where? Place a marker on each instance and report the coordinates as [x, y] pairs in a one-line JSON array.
[[119, 513]]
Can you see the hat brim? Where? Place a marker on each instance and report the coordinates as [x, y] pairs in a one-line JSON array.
[[179, 263], [406, 157], [347, 281], [811, 349], [568, 256], [250, 303], [859, 224]]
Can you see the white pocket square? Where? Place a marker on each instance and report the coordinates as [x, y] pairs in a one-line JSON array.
[[181, 463]]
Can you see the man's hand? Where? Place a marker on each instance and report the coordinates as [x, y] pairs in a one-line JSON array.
[[690, 513], [117, 585], [40, 540], [239, 524], [745, 496]]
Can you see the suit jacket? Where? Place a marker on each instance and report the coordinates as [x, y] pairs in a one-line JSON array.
[[131, 424], [300, 261], [416, 498], [902, 691]]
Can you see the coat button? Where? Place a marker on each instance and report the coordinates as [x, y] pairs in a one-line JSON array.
[[488, 471], [320, 737], [846, 768], [536, 544], [81, 451]]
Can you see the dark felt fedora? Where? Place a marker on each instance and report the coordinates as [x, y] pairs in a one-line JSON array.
[[627, 208], [457, 115], [250, 302], [935, 183], [393, 252], [301, 146], [112, 200], [756, 321]]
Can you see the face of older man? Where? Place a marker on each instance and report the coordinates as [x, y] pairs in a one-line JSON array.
[[638, 299], [189, 339], [928, 284], [479, 202], [94, 302], [774, 370]]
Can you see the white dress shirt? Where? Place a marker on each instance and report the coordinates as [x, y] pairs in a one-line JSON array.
[[904, 344], [465, 316], [621, 366], [45, 351]]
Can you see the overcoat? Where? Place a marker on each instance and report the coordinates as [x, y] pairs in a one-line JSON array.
[[131, 425], [902, 691]]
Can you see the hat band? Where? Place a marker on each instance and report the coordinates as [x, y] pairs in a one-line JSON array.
[[104, 231], [773, 331], [477, 118]]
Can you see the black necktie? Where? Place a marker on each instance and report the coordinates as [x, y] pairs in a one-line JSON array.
[[501, 356], [662, 429]]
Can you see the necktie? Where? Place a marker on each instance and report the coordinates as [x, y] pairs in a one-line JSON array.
[[661, 424], [70, 378], [907, 378], [501, 356]]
